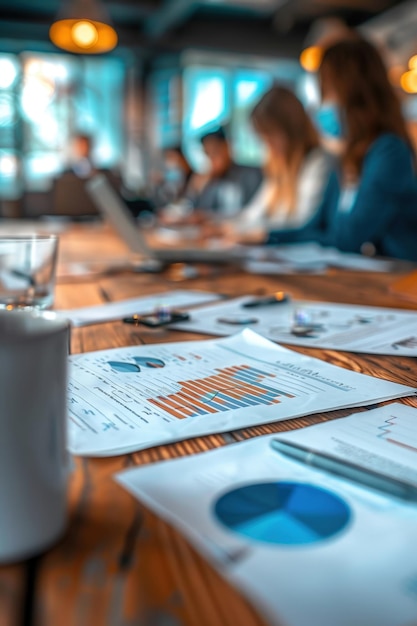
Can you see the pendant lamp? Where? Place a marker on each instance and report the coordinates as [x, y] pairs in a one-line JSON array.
[[83, 27]]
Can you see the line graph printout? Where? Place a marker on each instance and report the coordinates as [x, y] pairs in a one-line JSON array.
[[363, 329], [383, 440], [132, 398]]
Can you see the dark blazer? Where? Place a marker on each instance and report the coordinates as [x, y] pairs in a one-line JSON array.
[[247, 179], [383, 213]]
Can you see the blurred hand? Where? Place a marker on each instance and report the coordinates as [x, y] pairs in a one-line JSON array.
[[251, 237], [254, 237]]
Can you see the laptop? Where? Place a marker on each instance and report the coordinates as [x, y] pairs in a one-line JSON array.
[[111, 206]]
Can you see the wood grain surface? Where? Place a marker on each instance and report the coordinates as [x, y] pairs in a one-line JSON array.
[[118, 564]]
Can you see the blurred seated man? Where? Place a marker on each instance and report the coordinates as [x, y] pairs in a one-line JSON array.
[[81, 163], [69, 196], [228, 186]]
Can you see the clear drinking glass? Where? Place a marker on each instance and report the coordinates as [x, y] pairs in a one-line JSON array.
[[27, 271]]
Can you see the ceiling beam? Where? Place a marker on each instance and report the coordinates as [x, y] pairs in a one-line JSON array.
[[249, 37], [129, 10], [257, 7], [46, 7], [368, 6], [173, 13], [18, 29]]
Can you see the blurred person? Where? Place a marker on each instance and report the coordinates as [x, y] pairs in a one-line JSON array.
[[177, 169], [81, 162], [171, 184], [80, 158], [69, 197], [228, 186], [370, 204], [296, 171], [176, 188], [68, 193]]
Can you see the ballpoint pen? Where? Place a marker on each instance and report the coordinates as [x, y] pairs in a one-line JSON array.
[[346, 469], [277, 298]]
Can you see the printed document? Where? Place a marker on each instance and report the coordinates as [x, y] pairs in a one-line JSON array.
[[362, 329], [305, 547], [383, 440], [307, 256], [124, 308], [133, 398]]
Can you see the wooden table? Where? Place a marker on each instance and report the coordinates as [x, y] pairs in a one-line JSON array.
[[118, 564]]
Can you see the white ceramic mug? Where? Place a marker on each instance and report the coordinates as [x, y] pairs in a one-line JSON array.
[[33, 457]]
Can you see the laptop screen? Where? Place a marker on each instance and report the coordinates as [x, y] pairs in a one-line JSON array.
[[111, 207]]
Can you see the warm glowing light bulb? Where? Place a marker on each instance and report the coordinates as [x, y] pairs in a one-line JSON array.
[[409, 81], [84, 34], [412, 63], [310, 58]]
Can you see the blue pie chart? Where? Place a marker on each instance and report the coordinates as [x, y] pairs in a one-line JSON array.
[[284, 513]]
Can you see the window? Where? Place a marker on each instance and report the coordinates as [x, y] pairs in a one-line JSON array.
[[207, 105], [44, 100], [217, 95]]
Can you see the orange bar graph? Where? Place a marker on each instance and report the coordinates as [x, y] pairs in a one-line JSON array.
[[240, 384], [194, 402], [168, 409]]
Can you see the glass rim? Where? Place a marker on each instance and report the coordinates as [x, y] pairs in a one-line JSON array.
[[30, 323]]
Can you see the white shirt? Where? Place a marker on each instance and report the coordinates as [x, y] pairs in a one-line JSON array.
[[312, 180]]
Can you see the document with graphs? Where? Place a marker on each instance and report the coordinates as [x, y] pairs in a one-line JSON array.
[[383, 440], [307, 547], [354, 328], [127, 399]]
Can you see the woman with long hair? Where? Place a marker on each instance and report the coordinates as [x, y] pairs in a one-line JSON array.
[[295, 172], [370, 204]]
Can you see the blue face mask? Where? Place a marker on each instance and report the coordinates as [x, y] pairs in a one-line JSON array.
[[174, 175], [328, 121]]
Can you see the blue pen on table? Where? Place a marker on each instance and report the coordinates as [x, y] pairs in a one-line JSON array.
[[346, 469], [277, 298]]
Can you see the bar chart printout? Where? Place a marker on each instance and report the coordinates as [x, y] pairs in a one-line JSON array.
[[229, 388], [133, 398]]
